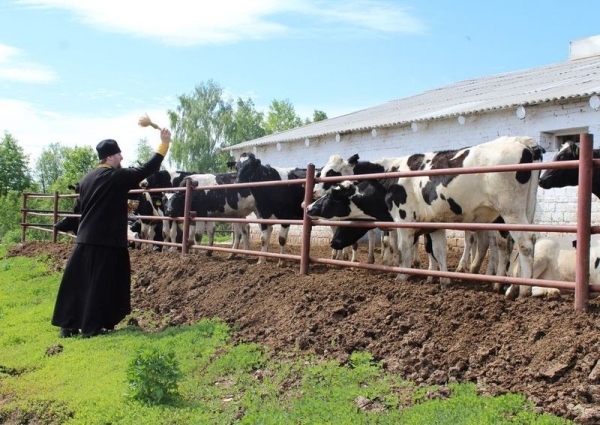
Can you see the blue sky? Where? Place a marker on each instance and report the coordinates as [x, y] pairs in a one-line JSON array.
[[79, 71]]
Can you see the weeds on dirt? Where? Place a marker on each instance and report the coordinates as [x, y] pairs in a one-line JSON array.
[[80, 381], [153, 375]]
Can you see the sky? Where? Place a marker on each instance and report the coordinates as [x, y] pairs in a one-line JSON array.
[[76, 72]]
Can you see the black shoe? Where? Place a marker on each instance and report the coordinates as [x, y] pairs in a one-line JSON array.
[[68, 332], [96, 333]]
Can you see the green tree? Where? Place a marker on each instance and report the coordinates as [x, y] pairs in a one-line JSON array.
[[319, 115], [247, 123], [144, 151], [49, 166], [281, 116], [14, 169], [201, 123], [78, 162], [10, 219], [60, 166]]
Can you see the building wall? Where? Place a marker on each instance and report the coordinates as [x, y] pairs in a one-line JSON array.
[[542, 122]]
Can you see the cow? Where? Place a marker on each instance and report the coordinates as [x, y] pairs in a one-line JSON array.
[[164, 179], [569, 151], [556, 259], [365, 200], [336, 166], [232, 203], [347, 235], [151, 228], [280, 202], [462, 198]]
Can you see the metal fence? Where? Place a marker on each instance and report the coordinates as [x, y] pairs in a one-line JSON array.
[[582, 229]]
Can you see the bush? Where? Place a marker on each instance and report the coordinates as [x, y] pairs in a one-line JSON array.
[[153, 376]]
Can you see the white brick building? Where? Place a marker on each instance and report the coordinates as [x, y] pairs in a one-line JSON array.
[[552, 103]]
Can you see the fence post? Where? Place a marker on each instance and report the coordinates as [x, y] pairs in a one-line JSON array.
[[23, 217], [186, 216], [584, 205], [306, 221], [55, 217]]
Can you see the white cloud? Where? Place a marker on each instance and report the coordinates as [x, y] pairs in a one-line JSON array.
[[35, 129], [14, 68], [184, 22]]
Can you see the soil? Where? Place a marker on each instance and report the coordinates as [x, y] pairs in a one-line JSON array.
[[539, 347]]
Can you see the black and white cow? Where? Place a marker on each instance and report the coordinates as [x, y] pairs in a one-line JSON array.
[[164, 179], [349, 235], [458, 198], [336, 166], [232, 203], [569, 151], [366, 200], [281, 202], [151, 228]]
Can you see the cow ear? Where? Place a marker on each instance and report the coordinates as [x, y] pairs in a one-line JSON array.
[[353, 159], [576, 150]]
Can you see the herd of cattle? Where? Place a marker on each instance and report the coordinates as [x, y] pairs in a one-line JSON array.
[[498, 197]]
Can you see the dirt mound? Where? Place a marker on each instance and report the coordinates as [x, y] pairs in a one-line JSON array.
[[466, 333]]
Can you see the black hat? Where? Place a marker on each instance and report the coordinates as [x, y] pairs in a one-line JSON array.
[[107, 147]]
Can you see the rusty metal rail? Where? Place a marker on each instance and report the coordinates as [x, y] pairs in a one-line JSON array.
[[583, 229]]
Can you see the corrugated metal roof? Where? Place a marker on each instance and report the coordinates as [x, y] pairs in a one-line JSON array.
[[563, 80]]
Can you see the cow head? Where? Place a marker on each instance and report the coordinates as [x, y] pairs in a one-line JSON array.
[[248, 168], [175, 204], [349, 200], [156, 180], [335, 166], [569, 151]]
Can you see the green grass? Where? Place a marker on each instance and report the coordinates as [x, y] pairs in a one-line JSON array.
[[86, 382]]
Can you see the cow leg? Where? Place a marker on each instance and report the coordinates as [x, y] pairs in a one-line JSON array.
[[174, 226], [433, 264], [389, 246], [283, 232], [171, 234], [479, 251], [504, 246], [493, 237], [210, 231], [166, 229], [239, 234], [245, 228], [405, 251], [354, 257], [371, 236], [525, 246], [467, 251], [265, 237], [200, 227], [437, 250], [416, 255]]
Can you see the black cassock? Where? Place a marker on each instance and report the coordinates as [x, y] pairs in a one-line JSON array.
[[95, 289]]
